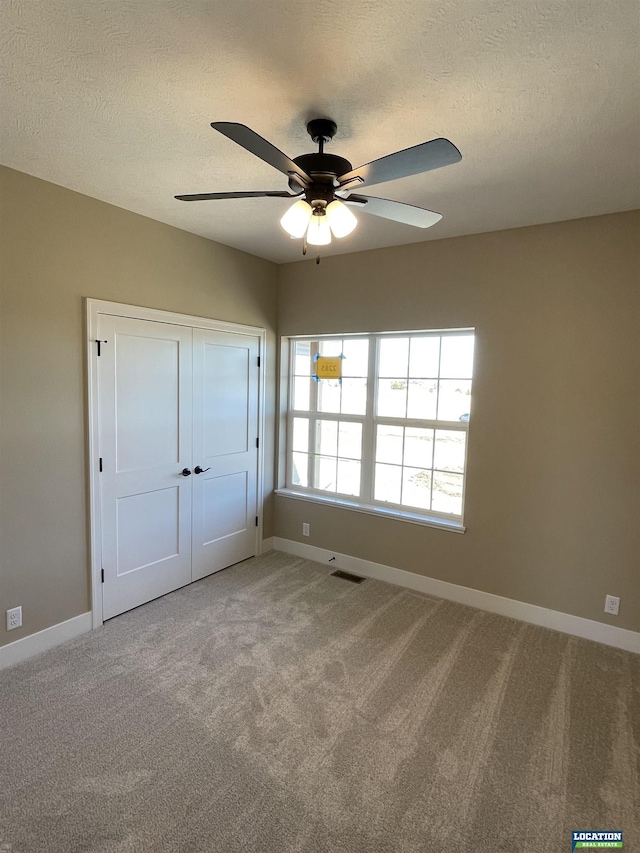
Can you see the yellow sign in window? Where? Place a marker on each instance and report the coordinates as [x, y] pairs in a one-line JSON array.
[[329, 367]]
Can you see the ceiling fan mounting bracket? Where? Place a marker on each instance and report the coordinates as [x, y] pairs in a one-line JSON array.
[[322, 130]]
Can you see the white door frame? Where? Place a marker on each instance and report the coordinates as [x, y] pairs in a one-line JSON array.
[[95, 307]]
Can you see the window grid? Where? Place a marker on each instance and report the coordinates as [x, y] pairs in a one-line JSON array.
[[370, 422]]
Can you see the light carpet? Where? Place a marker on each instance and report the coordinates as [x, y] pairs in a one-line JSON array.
[[272, 708]]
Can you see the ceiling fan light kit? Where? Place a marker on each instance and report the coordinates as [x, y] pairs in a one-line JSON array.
[[296, 220], [335, 216], [341, 219], [319, 232], [327, 182]]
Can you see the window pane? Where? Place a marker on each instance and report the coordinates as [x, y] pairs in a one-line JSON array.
[[423, 379], [330, 347], [388, 483], [392, 398], [447, 493], [418, 447], [302, 358], [416, 488], [394, 357], [350, 440], [456, 360], [423, 398], [325, 473], [424, 356], [300, 469], [301, 387], [327, 438], [389, 444], [354, 396], [329, 395], [449, 450], [454, 400], [348, 477], [356, 358], [301, 434]]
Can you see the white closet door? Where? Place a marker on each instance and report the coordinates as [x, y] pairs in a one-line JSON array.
[[145, 423], [225, 413]]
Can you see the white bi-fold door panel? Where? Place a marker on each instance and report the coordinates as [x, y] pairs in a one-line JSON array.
[[163, 524], [225, 436], [145, 423]]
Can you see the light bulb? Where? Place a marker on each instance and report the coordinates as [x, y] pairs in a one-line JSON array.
[[341, 219], [296, 219], [319, 233]]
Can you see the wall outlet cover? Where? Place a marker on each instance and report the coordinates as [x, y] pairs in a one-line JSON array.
[[612, 605], [14, 618]]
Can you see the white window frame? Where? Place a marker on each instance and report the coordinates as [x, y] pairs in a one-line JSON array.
[[365, 502]]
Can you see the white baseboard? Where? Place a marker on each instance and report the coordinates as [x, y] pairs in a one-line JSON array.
[[44, 640], [267, 545], [588, 629]]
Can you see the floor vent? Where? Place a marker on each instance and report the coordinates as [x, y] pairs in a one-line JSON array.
[[347, 576]]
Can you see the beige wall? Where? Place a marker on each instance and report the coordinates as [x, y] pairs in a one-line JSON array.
[[553, 503], [553, 489], [58, 247]]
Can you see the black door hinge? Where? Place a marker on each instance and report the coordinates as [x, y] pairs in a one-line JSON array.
[[101, 464], [100, 342], [257, 442], [258, 361], [102, 574], [256, 520]]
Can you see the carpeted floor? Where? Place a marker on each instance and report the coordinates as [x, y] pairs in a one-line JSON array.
[[272, 708]]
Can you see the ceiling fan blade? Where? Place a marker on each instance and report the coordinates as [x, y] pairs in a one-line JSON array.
[[410, 161], [398, 211], [255, 144], [211, 196]]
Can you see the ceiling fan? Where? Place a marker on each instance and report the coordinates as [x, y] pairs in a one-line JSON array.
[[327, 182]]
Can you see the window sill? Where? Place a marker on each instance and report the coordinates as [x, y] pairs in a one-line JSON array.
[[368, 509]]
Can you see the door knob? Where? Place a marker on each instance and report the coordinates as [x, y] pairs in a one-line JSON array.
[[186, 472], [200, 470]]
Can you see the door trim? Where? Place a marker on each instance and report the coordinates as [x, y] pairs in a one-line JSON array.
[[94, 308]]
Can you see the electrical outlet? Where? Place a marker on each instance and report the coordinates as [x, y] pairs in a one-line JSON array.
[[14, 618], [305, 528], [611, 605]]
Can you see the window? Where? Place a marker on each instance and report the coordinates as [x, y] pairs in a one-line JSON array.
[[391, 436]]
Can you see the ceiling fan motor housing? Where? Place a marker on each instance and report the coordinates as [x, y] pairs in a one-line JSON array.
[[323, 169]]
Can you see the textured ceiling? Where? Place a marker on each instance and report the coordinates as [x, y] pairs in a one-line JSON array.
[[114, 99]]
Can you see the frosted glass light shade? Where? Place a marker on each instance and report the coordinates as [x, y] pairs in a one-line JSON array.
[[319, 233], [341, 219], [296, 219]]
